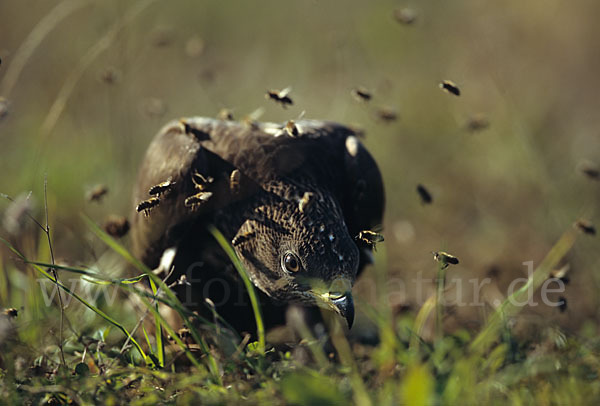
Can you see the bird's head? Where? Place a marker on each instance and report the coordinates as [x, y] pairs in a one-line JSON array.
[[296, 248]]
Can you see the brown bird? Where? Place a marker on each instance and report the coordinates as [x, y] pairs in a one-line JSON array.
[[294, 252]]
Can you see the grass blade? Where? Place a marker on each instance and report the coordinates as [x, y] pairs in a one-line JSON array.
[[510, 307], [83, 301], [260, 327], [175, 303]]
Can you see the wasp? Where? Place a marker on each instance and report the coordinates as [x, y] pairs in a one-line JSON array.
[[147, 205], [234, 180], [586, 227], [292, 129], [116, 226], [562, 305], [200, 181], [183, 334], [280, 96], [426, 197], [305, 201], [251, 120], [386, 114], [445, 259], [590, 170], [199, 134], [361, 94], [225, 115], [561, 273], [477, 122], [10, 312], [161, 188], [97, 193], [405, 15], [197, 199], [371, 238], [110, 75], [450, 87]]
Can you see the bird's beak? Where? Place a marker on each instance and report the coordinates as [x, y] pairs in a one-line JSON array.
[[345, 307], [338, 297]]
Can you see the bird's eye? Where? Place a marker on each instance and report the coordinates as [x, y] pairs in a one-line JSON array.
[[290, 262]]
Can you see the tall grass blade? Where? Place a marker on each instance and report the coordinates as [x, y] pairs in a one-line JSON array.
[[83, 301], [175, 302], [260, 327], [514, 303]]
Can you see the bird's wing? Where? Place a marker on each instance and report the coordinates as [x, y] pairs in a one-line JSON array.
[[328, 153]]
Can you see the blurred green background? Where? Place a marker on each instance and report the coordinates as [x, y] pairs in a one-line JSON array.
[[88, 83]]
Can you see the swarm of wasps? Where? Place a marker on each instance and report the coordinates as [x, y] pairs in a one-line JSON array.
[[155, 192], [371, 238]]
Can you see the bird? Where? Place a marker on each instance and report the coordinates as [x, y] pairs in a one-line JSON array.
[[291, 207]]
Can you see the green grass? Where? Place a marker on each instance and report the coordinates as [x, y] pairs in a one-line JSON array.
[[494, 366]]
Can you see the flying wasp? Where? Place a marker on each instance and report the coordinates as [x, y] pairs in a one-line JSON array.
[[147, 205], [450, 87], [386, 114], [280, 96], [445, 259], [97, 193], [561, 274], [586, 227], [361, 94], [10, 312], [161, 188], [371, 238], [477, 122], [405, 16], [426, 197], [562, 306], [590, 170], [199, 134], [251, 120], [197, 199]]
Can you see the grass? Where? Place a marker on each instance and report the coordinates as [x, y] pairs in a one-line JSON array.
[[494, 366]]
